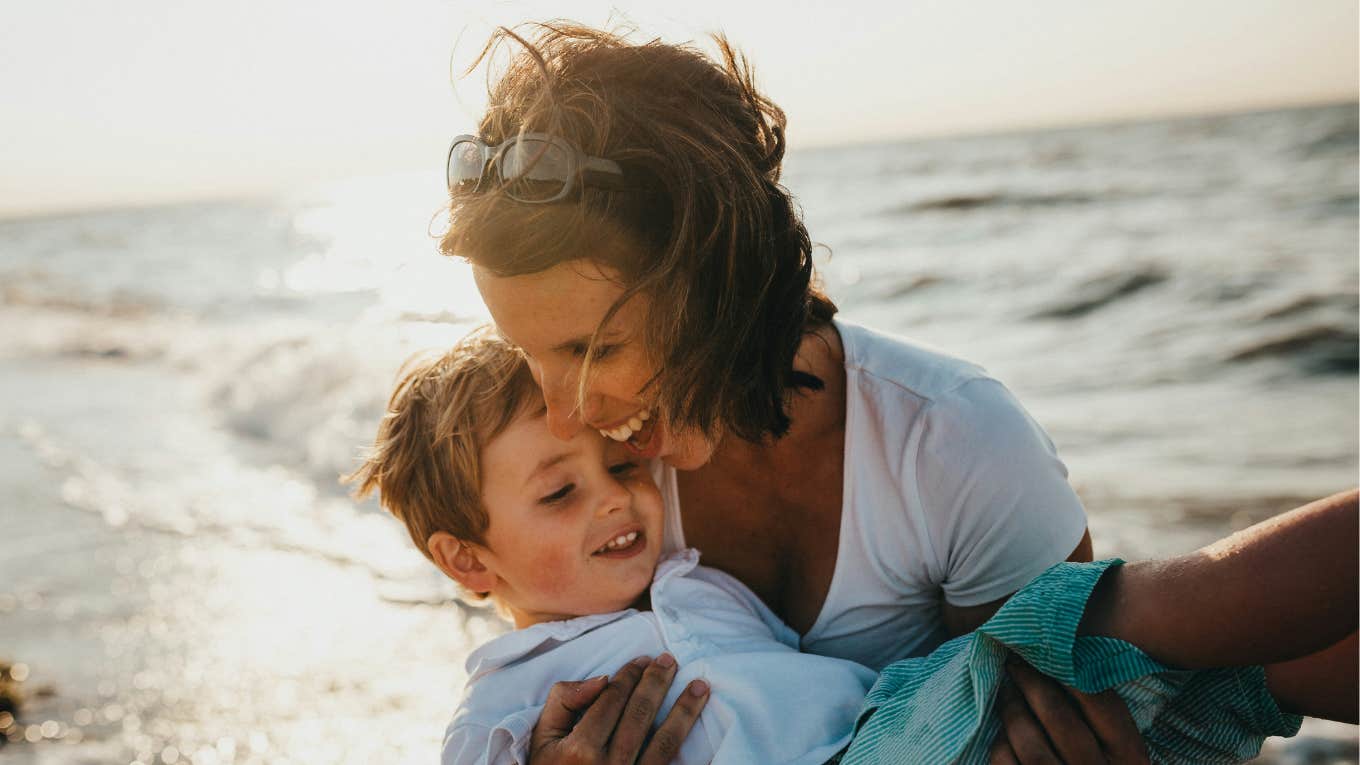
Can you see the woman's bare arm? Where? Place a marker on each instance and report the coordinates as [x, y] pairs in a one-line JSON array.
[[1282, 593], [1280, 590], [1320, 684]]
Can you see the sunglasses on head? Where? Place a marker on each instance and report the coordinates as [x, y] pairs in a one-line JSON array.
[[529, 167]]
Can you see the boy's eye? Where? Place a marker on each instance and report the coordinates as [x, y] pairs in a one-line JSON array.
[[558, 495], [622, 468]]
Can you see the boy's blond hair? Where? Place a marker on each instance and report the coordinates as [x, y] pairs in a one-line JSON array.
[[425, 461]]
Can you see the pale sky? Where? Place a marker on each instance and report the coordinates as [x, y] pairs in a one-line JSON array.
[[111, 104]]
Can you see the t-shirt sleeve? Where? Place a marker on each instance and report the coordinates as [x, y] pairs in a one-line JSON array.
[[998, 507]]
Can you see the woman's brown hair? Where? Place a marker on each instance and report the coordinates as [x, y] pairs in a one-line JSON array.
[[715, 242]]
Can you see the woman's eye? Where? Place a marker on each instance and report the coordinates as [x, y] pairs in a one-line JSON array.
[[558, 495], [622, 468], [601, 351]]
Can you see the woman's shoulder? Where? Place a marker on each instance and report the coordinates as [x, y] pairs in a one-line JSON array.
[[882, 359]]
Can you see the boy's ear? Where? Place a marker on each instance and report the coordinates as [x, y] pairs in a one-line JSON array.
[[459, 562]]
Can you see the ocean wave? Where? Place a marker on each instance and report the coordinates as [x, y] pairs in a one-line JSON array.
[[1315, 349], [39, 292], [1348, 302], [1339, 139], [970, 202], [894, 289], [311, 399], [54, 331], [309, 402], [225, 500], [1100, 292]]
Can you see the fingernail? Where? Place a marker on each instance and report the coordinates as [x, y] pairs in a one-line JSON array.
[[641, 661], [666, 660], [698, 688]]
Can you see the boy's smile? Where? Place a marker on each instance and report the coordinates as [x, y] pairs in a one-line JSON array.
[[575, 526]]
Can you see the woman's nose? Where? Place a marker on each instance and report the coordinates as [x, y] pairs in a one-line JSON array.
[[559, 395]]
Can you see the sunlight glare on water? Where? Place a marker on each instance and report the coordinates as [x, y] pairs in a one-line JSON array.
[[381, 233]]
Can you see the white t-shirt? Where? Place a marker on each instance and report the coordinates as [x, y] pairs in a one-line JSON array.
[[952, 494], [769, 702]]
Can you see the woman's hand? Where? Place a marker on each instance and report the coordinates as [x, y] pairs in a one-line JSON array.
[[1045, 722], [594, 721]]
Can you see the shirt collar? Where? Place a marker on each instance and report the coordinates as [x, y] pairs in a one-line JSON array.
[[512, 646]]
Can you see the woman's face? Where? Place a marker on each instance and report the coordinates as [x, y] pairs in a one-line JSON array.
[[551, 316]]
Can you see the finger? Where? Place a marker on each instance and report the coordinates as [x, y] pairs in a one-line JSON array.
[[640, 711], [1022, 731], [665, 744], [1001, 753], [1059, 716], [1113, 726], [596, 726], [565, 703]]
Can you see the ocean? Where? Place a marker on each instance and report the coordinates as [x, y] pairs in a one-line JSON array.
[[186, 580]]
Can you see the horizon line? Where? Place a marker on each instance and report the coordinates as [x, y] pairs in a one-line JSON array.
[[10, 214]]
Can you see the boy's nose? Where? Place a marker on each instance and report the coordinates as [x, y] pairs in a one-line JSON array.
[[615, 497]]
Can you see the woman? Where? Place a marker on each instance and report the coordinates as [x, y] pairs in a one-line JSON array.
[[622, 212]]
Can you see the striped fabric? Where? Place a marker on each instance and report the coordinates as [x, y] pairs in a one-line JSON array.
[[938, 708]]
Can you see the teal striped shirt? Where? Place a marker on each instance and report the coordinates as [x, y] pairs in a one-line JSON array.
[[939, 708]]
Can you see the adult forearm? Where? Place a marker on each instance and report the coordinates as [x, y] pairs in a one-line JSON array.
[[1319, 685], [1282, 589]]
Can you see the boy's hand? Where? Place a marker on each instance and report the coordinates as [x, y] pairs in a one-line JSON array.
[[594, 721], [1044, 722]]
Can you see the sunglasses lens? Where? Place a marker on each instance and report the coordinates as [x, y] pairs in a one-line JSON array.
[[465, 166], [534, 170]]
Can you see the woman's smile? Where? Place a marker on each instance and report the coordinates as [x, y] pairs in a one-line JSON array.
[[552, 316]]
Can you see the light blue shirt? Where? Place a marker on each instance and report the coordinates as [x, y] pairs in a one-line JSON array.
[[769, 703]]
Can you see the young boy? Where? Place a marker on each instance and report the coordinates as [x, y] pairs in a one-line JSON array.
[[567, 538]]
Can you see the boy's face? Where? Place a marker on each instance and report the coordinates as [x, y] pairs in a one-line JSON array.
[[575, 526]]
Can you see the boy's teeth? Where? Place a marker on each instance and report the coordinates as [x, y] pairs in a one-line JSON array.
[[622, 540]]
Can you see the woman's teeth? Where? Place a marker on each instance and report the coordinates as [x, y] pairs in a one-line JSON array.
[[626, 430], [619, 542]]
